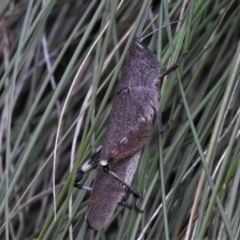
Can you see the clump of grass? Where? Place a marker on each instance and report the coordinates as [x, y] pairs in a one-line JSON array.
[[188, 176]]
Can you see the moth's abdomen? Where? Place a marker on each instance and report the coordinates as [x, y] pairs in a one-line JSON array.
[[107, 192]]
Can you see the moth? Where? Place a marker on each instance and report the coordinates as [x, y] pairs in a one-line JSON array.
[[134, 111]]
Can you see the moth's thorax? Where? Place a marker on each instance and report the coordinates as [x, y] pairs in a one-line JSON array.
[[141, 68], [140, 51]]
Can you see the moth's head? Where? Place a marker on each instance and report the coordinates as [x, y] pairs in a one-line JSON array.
[[139, 50]]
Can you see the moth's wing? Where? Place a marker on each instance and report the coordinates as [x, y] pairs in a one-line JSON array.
[[107, 192], [145, 100], [137, 106], [134, 141], [124, 120]]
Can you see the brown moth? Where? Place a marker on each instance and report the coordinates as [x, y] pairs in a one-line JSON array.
[[134, 109]]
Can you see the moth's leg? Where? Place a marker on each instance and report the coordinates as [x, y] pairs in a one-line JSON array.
[[79, 174], [137, 206], [125, 204], [130, 206], [89, 164], [174, 66], [83, 187], [159, 124], [128, 188]]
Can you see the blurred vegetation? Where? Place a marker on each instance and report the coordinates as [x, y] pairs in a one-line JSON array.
[[188, 176]]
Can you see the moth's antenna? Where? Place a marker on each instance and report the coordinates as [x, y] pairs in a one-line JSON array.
[[142, 23], [159, 29]]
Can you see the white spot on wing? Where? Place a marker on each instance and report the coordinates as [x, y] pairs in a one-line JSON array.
[[141, 119], [124, 140], [104, 162]]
